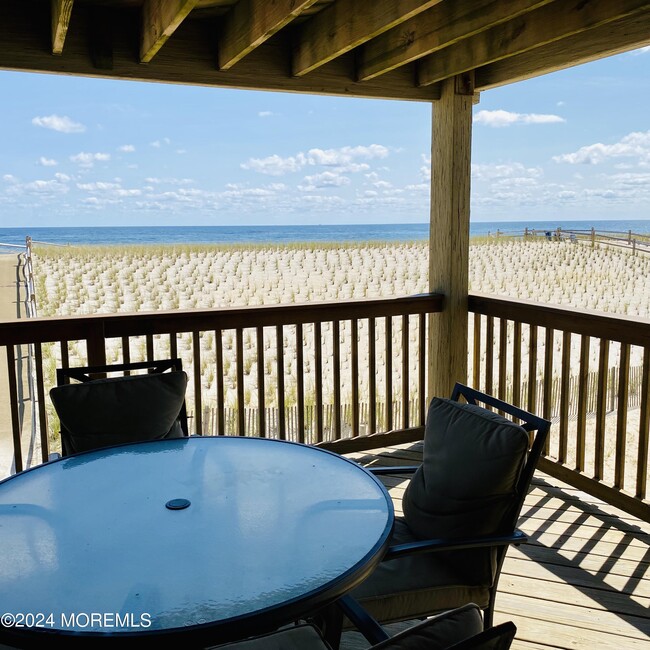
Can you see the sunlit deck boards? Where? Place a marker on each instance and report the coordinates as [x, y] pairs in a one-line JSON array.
[[583, 580]]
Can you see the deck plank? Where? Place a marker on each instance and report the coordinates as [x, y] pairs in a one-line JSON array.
[[581, 583]]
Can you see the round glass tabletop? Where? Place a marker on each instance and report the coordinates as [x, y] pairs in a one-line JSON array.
[[186, 535]]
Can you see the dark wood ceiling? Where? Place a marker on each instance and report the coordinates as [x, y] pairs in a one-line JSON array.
[[400, 49]]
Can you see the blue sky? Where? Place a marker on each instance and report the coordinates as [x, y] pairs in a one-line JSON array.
[[570, 145]]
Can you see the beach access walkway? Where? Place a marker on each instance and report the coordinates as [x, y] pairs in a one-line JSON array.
[[12, 307]]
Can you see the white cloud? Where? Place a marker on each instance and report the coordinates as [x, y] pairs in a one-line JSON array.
[[9, 178], [275, 165], [326, 179], [264, 114], [57, 123], [159, 143], [635, 144], [342, 158], [89, 159], [127, 148], [47, 162], [495, 171], [501, 118], [63, 178], [642, 50]]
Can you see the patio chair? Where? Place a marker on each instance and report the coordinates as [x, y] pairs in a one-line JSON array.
[[457, 629], [460, 507], [109, 410]]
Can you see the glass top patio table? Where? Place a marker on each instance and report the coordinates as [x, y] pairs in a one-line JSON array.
[[201, 539]]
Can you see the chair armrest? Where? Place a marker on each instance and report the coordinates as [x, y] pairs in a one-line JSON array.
[[398, 469], [54, 455], [431, 545], [362, 620]]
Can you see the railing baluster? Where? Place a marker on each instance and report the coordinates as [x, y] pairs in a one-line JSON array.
[[532, 368], [151, 355], [261, 420], [581, 425], [40, 393], [644, 428], [13, 396], [503, 357], [300, 382], [282, 432], [601, 409], [621, 415], [422, 379], [547, 409], [476, 361], [389, 372], [318, 367], [239, 344], [564, 396], [221, 420], [126, 352], [173, 345], [405, 372], [336, 359], [489, 355], [516, 364], [372, 378], [198, 408], [354, 374]]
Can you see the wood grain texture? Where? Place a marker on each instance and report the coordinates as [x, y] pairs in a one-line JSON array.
[[449, 239], [61, 12], [160, 19]]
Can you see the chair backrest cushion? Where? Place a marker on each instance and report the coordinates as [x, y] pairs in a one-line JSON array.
[[438, 632], [116, 410], [466, 485]]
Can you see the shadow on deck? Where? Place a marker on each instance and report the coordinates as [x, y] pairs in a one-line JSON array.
[[581, 583]]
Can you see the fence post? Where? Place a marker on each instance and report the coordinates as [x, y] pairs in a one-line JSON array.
[[593, 237]]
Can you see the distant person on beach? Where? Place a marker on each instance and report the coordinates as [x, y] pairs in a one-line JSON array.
[[548, 235]]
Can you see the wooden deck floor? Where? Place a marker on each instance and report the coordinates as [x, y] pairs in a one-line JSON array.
[[581, 583]]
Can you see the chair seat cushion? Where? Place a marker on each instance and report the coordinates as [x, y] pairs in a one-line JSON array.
[[438, 632], [117, 410], [298, 637], [416, 585], [466, 485]]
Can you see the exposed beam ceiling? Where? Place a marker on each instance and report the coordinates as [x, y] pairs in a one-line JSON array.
[[61, 11], [397, 49], [160, 18], [251, 22]]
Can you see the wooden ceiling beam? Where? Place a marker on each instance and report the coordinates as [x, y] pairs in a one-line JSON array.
[[550, 23], [251, 22], [61, 12], [616, 37], [346, 24], [160, 18], [439, 27]]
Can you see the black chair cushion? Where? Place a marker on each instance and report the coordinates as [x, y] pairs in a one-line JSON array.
[[117, 410], [466, 485]]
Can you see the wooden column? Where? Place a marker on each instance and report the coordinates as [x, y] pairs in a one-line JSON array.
[[449, 233]]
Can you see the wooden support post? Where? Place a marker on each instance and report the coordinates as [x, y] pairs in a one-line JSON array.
[[449, 233]]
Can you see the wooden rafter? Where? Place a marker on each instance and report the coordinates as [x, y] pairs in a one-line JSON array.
[[609, 39], [346, 24], [251, 22], [550, 23], [160, 18], [61, 12], [439, 27]]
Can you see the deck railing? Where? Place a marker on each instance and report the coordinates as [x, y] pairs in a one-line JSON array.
[[307, 359], [535, 355], [340, 374]]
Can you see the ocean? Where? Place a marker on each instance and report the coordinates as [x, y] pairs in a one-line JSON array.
[[108, 235]]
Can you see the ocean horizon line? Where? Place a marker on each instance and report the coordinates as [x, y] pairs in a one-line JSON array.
[[287, 233]]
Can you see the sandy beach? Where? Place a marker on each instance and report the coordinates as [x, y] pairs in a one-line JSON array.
[[78, 280]]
